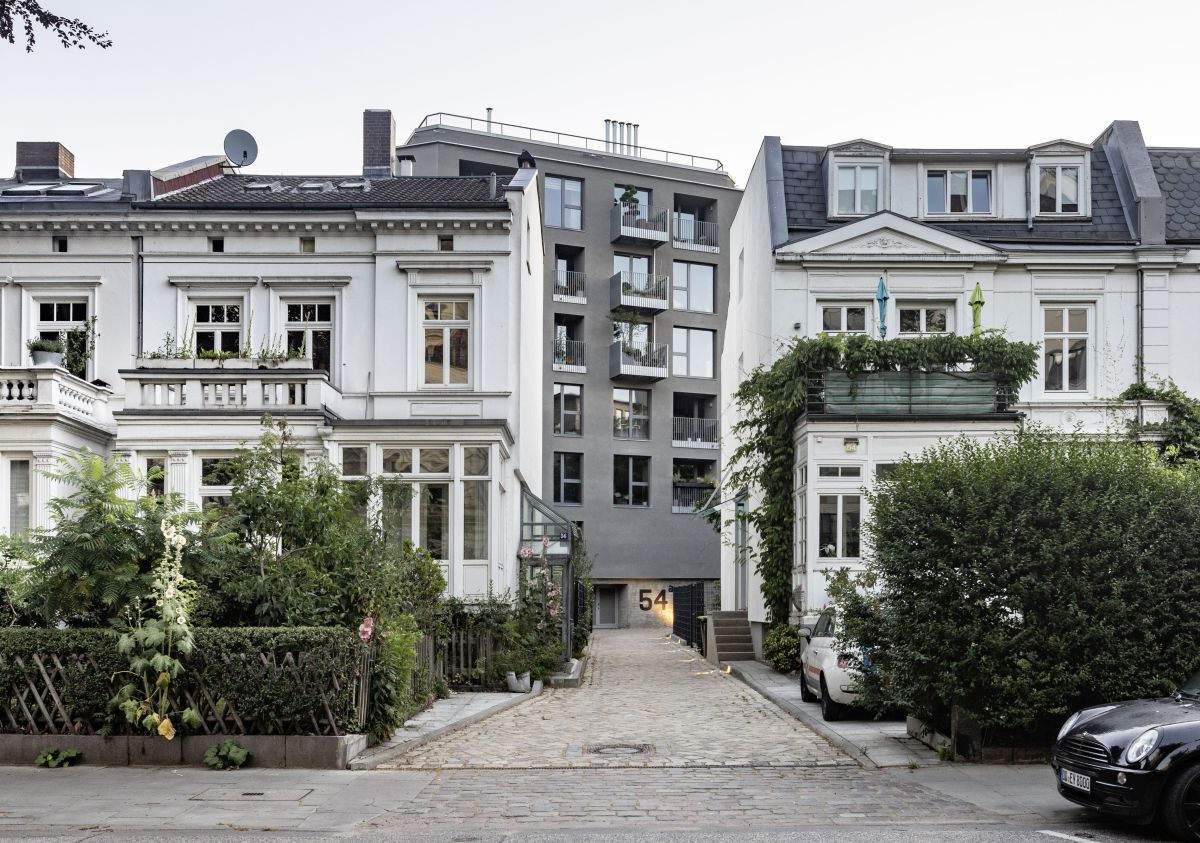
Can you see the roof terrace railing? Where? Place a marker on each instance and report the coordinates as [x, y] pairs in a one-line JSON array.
[[512, 130]]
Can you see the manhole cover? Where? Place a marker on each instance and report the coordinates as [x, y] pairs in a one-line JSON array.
[[616, 749], [236, 794]]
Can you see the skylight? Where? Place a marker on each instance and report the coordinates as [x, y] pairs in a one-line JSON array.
[[76, 189], [29, 189], [263, 186], [353, 185]]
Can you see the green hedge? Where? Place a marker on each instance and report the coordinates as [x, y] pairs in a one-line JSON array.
[[298, 681]]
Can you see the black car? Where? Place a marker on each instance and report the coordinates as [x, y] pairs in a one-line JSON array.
[[1136, 760]]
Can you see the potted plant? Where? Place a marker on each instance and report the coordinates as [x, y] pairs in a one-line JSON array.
[[46, 353], [629, 205]]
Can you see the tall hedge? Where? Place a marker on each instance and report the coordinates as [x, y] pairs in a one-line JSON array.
[[1024, 577]]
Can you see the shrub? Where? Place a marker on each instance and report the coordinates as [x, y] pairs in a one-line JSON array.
[[53, 346], [226, 755], [1026, 576], [53, 757], [782, 648]]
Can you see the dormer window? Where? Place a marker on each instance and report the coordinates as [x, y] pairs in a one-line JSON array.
[[958, 191], [1058, 189], [857, 189]]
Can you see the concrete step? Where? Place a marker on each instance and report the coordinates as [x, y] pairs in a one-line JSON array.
[[736, 656], [741, 614], [730, 637]]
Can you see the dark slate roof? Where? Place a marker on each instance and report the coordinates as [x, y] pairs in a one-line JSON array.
[[804, 199], [1178, 173], [408, 192]]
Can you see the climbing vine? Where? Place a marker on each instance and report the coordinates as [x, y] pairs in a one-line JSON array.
[[771, 399], [1181, 431]]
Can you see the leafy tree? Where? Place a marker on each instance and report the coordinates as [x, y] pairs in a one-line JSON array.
[[28, 15]]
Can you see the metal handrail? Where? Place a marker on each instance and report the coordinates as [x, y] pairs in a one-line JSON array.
[[907, 392], [689, 429], [495, 127], [569, 352], [652, 355], [568, 283], [644, 219], [641, 285], [688, 497], [698, 232]]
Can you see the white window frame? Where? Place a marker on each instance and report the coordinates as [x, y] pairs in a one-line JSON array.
[[971, 172], [210, 491], [858, 166], [446, 325], [6, 462], [197, 302], [59, 327], [1090, 335], [924, 306], [839, 549], [869, 316], [686, 353], [1083, 163], [316, 325]]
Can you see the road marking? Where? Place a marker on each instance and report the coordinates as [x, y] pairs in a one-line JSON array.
[[1062, 836]]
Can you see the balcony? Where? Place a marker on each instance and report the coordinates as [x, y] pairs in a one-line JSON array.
[[50, 391], [284, 390], [908, 393], [568, 356], [646, 361], [639, 225], [687, 232], [695, 433], [568, 286], [689, 497], [639, 291]]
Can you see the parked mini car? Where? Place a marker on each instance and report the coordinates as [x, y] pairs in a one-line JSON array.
[[825, 674], [1136, 760]]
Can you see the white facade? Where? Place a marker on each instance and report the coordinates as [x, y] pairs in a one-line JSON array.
[[433, 344], [1093, 307]]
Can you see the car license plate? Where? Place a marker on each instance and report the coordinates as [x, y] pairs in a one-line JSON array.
[[1076, 780]]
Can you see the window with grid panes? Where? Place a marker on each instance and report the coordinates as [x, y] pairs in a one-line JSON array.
[[310, 332], [219, 327], [1065, 347], [57, 320], [447, 335]]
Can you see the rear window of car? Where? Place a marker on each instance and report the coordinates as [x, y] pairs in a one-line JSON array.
[[824, 627]]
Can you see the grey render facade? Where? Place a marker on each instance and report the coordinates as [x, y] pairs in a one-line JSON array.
[[627, 307]]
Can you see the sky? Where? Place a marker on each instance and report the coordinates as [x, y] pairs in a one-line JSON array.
[[708, 78]]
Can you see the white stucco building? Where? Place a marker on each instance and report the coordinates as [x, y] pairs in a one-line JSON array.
[[393, 321], [1087, 249]]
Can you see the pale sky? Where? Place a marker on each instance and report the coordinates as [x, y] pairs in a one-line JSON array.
[[709, 78]]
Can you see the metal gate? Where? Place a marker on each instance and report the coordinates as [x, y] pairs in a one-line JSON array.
[[688, 607]]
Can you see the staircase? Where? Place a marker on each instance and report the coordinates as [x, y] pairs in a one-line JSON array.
[[732, 633]]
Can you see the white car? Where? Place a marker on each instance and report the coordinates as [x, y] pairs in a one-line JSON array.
[[825, 674]]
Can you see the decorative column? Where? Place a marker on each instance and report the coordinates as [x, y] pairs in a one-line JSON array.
[[126, 456], [41, 488], [178, 464]]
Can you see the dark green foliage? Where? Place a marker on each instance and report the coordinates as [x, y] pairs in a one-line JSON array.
[[28, 15], [782, 647], [771, 399], [53, 346], [581, 567], [226, 755], [53, 757], [394, 697], [1181, 431], [1027, 576]]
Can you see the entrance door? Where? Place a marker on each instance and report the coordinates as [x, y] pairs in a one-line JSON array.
[[606, 606]]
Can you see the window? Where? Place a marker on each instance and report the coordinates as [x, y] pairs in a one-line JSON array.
[[885, 470], [692, 286], [839, 471], [844, 318], [635, 335], [857, 189], [354, 461], [447, 343], [631, 480], [925, 318], [310, 332], [216, 482], [631, 414], [568, 477], [156, 476], [219, 327], [59, 244], [564, 203], [445, 242], [308, 245], [958, 191], [65, 322], [216, 244], [838, 533], [568, 409], [634, 200], [1066, 348], [475, 486], [692, 352], [1058, 189], [19, 487]]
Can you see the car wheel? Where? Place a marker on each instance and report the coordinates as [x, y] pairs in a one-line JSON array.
[[1180, 805], [806, 693], [829, 709]]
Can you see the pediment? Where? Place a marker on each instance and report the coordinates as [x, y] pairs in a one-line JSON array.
[[1060, 146], [859, 146], [887, 235], [883, 241]]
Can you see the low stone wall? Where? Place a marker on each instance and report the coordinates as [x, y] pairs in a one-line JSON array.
[[316, 752]]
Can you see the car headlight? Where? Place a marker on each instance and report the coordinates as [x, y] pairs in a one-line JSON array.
[[1066, 727], [1142, 746]]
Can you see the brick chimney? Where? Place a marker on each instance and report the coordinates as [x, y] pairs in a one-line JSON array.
[[379, 144], [44, 160]]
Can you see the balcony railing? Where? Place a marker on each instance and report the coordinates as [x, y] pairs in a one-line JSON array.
[[631, 427], [639, 291], [251, 390], [687, 232], [568, 356], [568, 286], [641, 360], [689, 497], [907, 393], [687, 432], [42, 390], [639, 224]]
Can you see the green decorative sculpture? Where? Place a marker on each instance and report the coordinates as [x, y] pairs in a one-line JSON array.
[[976, 302]]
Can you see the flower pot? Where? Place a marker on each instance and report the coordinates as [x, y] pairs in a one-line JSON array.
[[47, 359], [518, 684]]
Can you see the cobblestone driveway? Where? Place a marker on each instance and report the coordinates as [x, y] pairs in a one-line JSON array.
[[640, 688]]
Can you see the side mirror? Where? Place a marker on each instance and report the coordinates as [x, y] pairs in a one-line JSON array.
[[806, 632]]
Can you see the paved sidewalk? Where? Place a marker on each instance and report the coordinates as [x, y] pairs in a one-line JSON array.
[[879, 743]]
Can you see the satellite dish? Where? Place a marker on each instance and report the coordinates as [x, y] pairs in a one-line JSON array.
[[240, 148]]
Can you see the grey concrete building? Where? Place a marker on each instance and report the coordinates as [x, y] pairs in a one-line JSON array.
[[637, 282]]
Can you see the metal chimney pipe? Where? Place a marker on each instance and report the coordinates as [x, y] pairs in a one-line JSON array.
[[492, 186], [635, 139], [624, 136], [489, 119], [607, 129]]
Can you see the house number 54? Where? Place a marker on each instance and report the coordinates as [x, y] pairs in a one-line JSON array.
[[646, 604]]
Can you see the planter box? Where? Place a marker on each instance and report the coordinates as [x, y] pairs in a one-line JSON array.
[[154, 751], [315, 752], [265, 750]]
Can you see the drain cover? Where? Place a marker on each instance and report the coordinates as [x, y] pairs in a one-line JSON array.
[[618, 749], [236, 794]]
